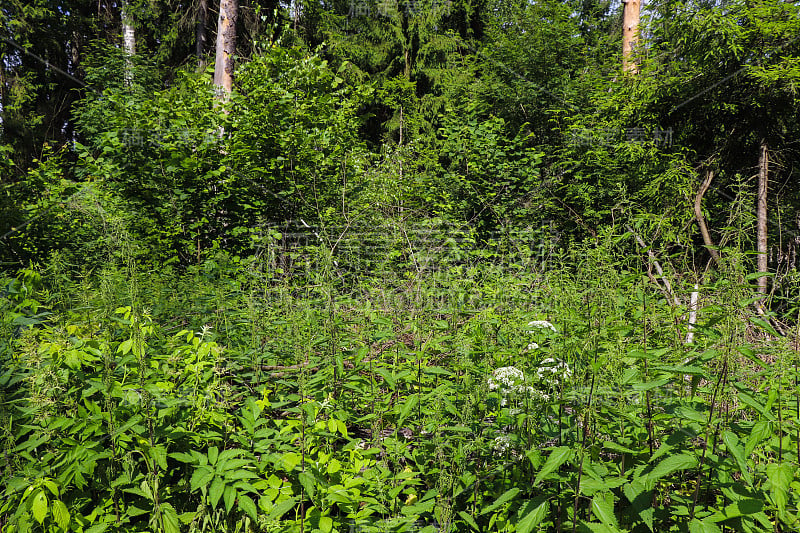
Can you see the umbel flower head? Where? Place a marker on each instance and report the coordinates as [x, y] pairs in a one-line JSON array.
[[508, 379], [511, 380], [540, 324], [552, 369]]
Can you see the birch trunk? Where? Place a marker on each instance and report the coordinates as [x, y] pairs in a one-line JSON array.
[[128, 41]]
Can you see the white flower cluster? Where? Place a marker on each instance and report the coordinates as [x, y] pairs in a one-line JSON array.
[[553, 369], [511, 380], [508, 379], [501, 444], [540, 324]]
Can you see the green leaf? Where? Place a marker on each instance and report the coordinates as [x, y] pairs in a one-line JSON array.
[[39, 506], [230, 497], [687, 370], [213, 455], [703, 526], [169, 519], [125, 346], [247, 505], [201, 477], [651, 384], [533, 518], [290, 461], [732, 443], [780, 475], [61, 514], [744, 507], [603, 509], [556, 458], [761, 430], [469, 520], [766, 326], [159, 453], [408, 406], [505, 497], [671, 464], [641, 501], [308, 482], [216, 490], [51, 486], [326, 524], [281, 509], [182, 457]]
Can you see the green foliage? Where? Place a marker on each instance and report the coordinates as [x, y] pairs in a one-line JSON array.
[[394, 405]]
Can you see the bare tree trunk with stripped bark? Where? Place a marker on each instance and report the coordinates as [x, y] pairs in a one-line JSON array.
[[226, 46], [761, 214], [630, 35]]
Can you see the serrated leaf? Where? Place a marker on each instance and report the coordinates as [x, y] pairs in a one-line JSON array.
[[60, 514], [761, 430], [231, 465], [169, 519], [281, 509], [225, 455], [739, 508], [182, 457], [703, 526], [407, 408], [213, 455], [469, 520], [603, 509], [230, 497], [247, 505], [671, 464], [125, 346], [290, 461], [507, 496], [533, 518], [654, 384], [201, 477], [732, 443], [556, 458], [159, 453], [39, 506], [308, 482], [216, 490]]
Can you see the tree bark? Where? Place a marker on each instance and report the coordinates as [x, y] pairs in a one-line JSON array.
[[200, 33], [630, 34], [226, 46], [128, 41], [701, 221], [761, 214]]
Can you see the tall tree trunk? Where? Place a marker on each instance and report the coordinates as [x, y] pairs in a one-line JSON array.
[[630, 33], [128, 40], [701, 221], [226, 46], [761, 214], [200, 46]]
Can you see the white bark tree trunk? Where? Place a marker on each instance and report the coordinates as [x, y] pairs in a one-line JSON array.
[[128, 41]]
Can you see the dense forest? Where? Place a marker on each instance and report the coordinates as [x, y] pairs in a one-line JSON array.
[[399, 265]]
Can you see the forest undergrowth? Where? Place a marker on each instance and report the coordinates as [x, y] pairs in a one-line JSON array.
[[489, 390]]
